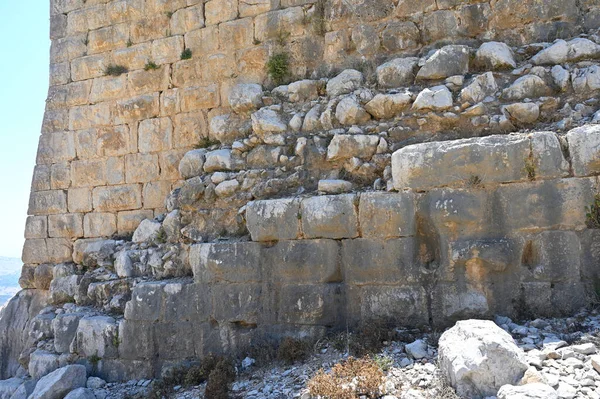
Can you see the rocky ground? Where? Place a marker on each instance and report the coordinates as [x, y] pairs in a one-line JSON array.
[[561, 353]]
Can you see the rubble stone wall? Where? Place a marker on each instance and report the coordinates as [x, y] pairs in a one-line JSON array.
[[110, 145]]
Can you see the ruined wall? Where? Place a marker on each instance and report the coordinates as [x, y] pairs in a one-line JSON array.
[[110, 145]]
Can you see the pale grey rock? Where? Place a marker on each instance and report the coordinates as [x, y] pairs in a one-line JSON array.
[[386, 106], [526, 113], [584, 147], [334, 186], [81, 393], [245, 97], [447, 61], [417, 349], [272, 220], [350, 112], [329, 216], [146, 231], [96, 336], [296, 122], [561, 77], [398, 72], [64, 289], [267, 121], [228, 128], [59, 383], [303, 90], [41, 363], [547, 156], [437, 98], [555, 54], [65, 327], [192, 163], [566, 391], [9, 387], [191, 191], [124, 265], [529, 391], [585, 349], [346, 146], [478, 357], [586, 79], [218, 160], [496, 55], [227, 188], [312, 119], [346, 82], [95, 383], [481, 87], [24, 390], [528, 86]]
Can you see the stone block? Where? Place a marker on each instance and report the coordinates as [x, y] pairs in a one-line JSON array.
[[250, 8], [115, 140], [387, 215], [346, 146], [547, 156], [79, 200], [137, 340], [380, 262], [135, 57], [97, 336], [42, 277], [155, 135], [93, 252], [108, 88], [67, 225], [494, 159], [556, 204], [141, 168], [146, 302], [137, 108], [311, 304], [554, 256], [60, 73], [56, 147], [238, 303], [177, 340], [155, 193], [128, 221], [584, 148], [65, 327], [238, 34], [115, 170], [302, 262], [68, 48], [150, 27], [55, 120], [145, 82], [189, 129], [99, 224], [227, 262], [47, 202], [86, 116], [198, 98], [77, 93], [108, 39], [187, 19], [451, 303], [41, 178], [217, 11], [59, 249], [273, 220], [203, 41], [34, 251], [41, 363], [88, 173], [329, 216], [167, 50], [117, 198], [60, 176], [89, 67], [86, 19], [36, 227], [186, 302], [269, 25]]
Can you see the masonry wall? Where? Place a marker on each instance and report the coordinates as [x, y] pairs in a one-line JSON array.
[[110, 145]]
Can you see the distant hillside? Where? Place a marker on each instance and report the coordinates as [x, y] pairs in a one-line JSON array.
[[10, 270]]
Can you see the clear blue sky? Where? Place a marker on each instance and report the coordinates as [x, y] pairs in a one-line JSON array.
[[24, 46]]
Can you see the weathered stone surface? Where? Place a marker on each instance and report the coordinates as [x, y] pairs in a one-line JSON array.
[[229, 128], [345, 146], [525, 113], [266, 121], [65, 328], [561, 52], [528, 86], [192, 163], [329, 216], [273, 220], [218, 160], [437, 98], [96, 336], [41, 363], [346, 82], [349, 111], [245, 98], [495, 55], [229, 262], [478, 357], [334, 186], [9, 386], [60, 382], [493, 159], [447, 61], [81, 393], [303, 90], [387, 215], [148, 230], [385, 106], [548, 160], [528, 391], [584, 148], [481, 87], [586, 79], [398, 72]]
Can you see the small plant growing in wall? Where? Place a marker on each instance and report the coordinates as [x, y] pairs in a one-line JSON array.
[[186, 54], [150, 66], [592, 215], [278, 67], [530, 168], [115, 70]]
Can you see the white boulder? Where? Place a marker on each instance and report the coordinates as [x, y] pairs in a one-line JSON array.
[[59, 383], [495, 55]]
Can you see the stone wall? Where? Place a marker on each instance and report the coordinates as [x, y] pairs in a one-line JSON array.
[[110, 145]]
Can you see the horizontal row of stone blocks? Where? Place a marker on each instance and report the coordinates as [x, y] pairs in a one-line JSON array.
[[497, 159]]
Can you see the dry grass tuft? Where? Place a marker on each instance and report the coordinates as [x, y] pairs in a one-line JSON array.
[[349, 379]]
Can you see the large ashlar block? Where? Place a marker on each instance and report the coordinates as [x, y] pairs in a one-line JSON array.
[[141, 168], [97, 336], [137, 339], [68, 48], [556, 204], [405, 305], [55, 120], [387, 215], [59, 249], [41, 178], [144, 82], [554, 256], [128, 221], [250, 8], [376, 261], [35, 251], [236, 34], [217, 11], [87, 116], [86, 19], [99, 224], [88, 173], [108, 88], [137, 108], [47, 202], [330, 216], [79, 200], [241, 303], [155, 135], [302, 262], [56, 147], [117, 198], [114, 141], [198, 98], [89, 67], [60, 176], [494, 159], [189, 129], [273, 220], [226, 262], [146, 302], [186, 301], [547, 158], [311, 304], [269, 25], [584, 147], [187, 19], [135, 57], [108, 39], [150, 27], [68, 225], [167, 50], [36, 227], [203, 41]]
